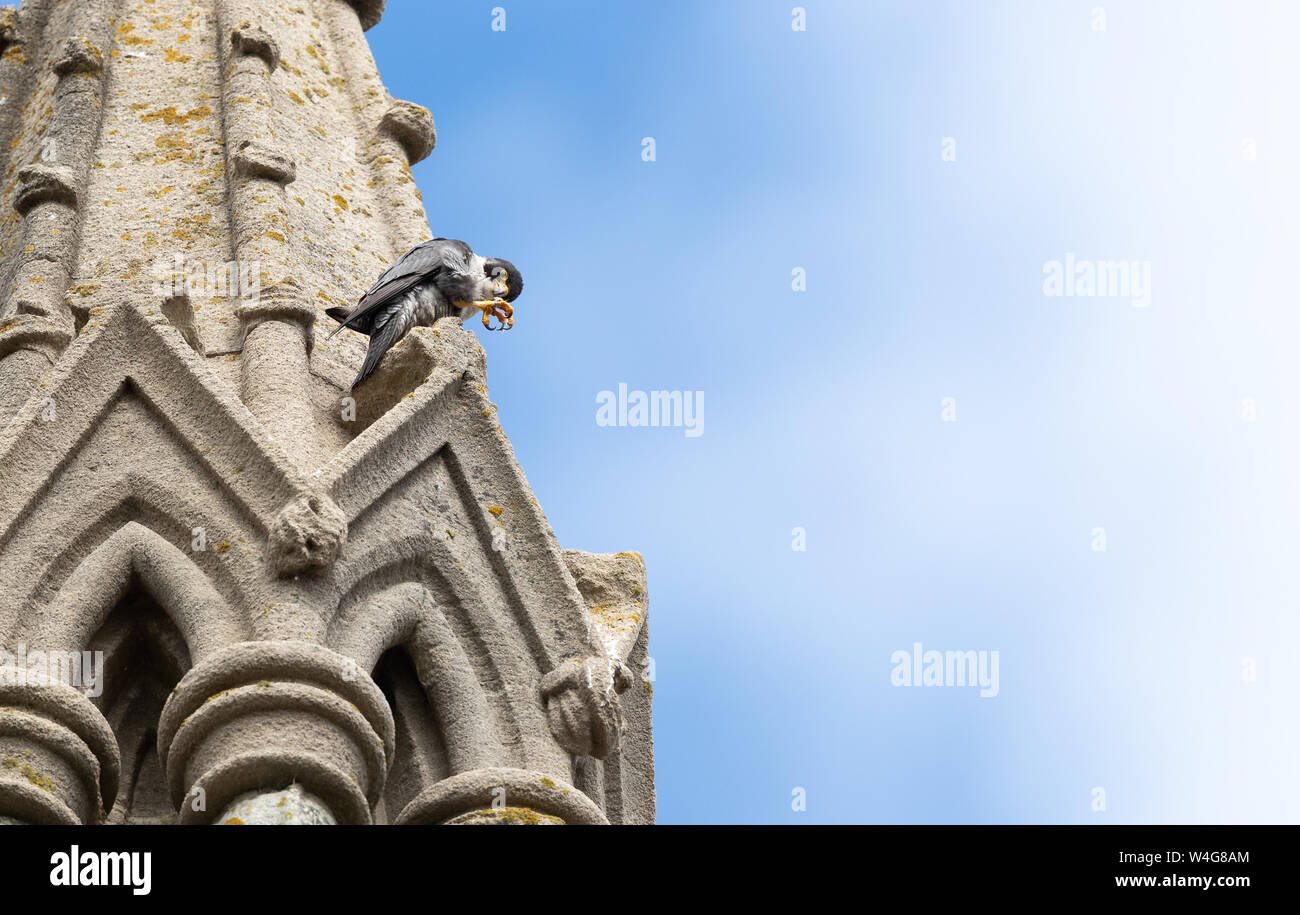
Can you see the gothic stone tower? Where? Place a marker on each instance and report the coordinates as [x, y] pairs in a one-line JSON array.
[[344, 609]]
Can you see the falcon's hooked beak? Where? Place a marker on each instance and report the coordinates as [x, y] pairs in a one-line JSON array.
[[506, 281]]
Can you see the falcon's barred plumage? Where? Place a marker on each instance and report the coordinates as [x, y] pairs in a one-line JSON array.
[[433, 280]]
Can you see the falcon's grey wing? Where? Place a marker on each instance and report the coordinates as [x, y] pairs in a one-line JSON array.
[[423, 262], [390, 325]]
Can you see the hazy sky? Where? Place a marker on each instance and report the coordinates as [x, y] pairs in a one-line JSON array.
[[955, 443]]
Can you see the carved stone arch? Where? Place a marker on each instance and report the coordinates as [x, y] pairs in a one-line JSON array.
[[378, 616], [479, 573], [105, 519], [504, 659], [136, 555]]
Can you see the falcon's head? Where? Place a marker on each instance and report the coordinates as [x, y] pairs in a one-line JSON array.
[[505, 278]]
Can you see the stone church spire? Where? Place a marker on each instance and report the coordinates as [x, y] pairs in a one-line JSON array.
[[230, 587]]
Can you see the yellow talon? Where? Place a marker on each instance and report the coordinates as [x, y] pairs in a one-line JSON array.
[[502, 311]]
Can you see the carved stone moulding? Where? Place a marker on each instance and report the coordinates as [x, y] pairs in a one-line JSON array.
[[39, 183], [33, 332], [59, 761], [284, 303], [255, 159], [260, 716], [79, 56], [501, 796]]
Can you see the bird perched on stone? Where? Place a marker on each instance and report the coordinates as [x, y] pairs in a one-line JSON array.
[[433, 280]]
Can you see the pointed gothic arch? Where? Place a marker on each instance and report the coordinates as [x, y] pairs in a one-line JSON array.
[[135, 554]]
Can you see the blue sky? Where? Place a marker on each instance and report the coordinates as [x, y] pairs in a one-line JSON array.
[[1163, 138]]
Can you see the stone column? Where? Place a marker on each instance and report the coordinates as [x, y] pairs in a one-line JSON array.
[[38, 324], [276, 380], [501, 797], [277, 321], [58, 756], [259, 717]]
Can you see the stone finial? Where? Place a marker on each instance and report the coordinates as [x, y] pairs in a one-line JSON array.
[[582, 704], [40, 183], [307, 536], [249, 40], [78, 55], [412, 126]]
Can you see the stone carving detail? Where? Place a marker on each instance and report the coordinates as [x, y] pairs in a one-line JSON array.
[[45, 184], [49, 196], [345, 603], [582, 704], [249, 39], [259, 716], [255, 160], [58, 757], [79, 56], [307, 536]]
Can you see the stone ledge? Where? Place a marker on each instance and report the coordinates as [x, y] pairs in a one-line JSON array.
[[31, 332]]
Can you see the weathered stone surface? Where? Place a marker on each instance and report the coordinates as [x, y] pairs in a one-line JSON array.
[[582, 704], [44, 184], [249, 39], [291, 583], [307, 536], [412, 126], [257, 160], [369, 11], [8, 25]]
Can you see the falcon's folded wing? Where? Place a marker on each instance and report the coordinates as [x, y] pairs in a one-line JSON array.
[[423, 262]]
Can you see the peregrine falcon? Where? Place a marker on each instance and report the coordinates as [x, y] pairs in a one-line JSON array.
[[433, 280]]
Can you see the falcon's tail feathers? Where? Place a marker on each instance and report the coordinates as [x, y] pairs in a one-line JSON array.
[[381, 340], [340, 314]]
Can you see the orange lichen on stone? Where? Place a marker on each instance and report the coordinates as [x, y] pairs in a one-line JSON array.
[[171, 117]]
